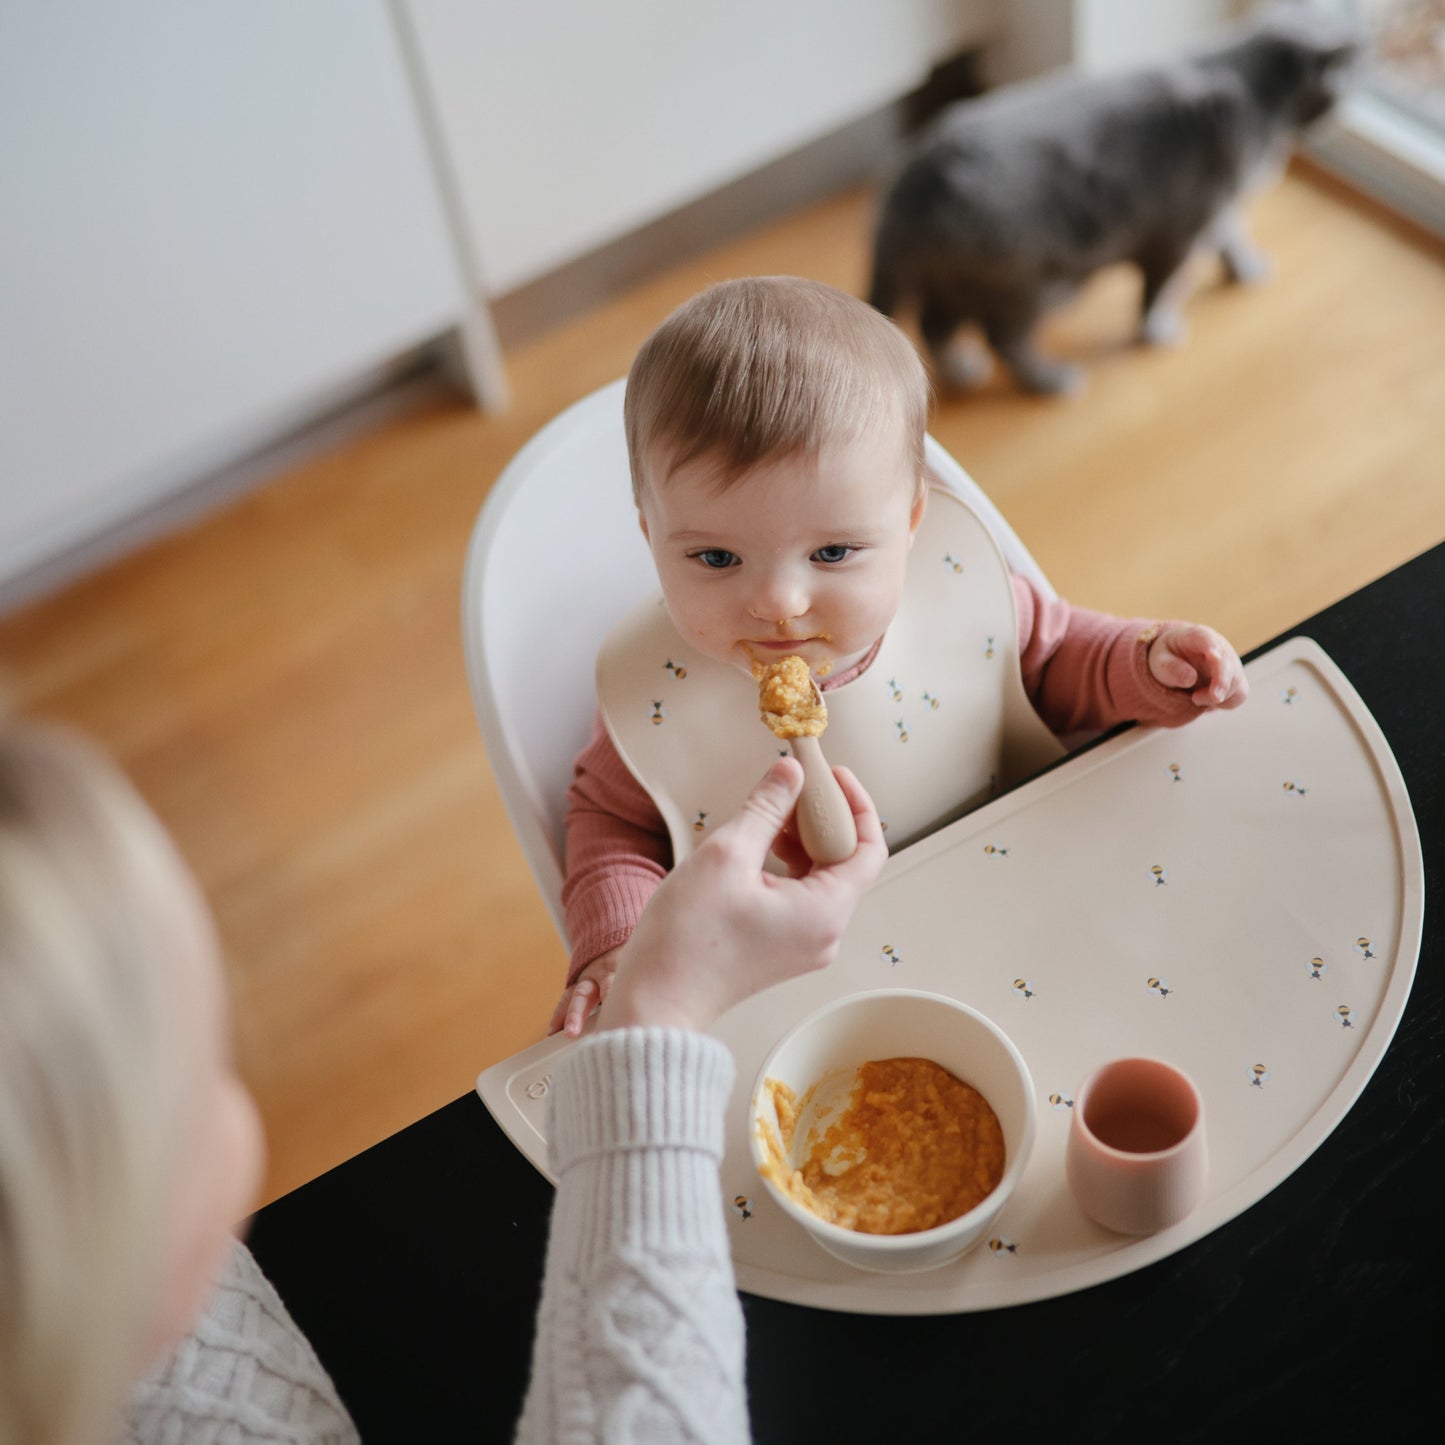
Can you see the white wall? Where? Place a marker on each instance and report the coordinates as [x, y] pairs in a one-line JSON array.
[[213, 216], [573, 122], [1042, 35]]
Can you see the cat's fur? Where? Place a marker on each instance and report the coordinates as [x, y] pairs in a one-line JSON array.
[[1015, 198]]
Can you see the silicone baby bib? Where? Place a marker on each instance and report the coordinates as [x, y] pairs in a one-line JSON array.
[[1242, 897]]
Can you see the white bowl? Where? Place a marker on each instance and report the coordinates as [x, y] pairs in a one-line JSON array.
[[833, 1042]]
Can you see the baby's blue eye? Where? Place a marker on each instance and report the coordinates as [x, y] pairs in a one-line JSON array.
[[836, 552], [717, 558]]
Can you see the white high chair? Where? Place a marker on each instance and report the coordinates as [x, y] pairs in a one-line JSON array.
[[555, 558]]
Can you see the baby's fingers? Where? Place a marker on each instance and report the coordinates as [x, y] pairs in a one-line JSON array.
[[586, 994]]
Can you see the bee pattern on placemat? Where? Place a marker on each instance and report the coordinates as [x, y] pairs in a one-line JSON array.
[[742, 1206], [988, 647], [1317, 967], [992, 850], [1295, 788], [1160, 874], [659, 713], [999, 1245], [1343, 1016], [1159, 986], [1258, 1076], [1060, 1101], [952, 563], [1362, 947], [1176, 773], [1288, 696], [1024, 988], [890, 955]]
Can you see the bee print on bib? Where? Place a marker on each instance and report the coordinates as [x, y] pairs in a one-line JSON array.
[[675, 668], [659, 713]]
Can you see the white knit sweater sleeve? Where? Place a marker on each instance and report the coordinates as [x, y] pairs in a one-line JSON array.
[[245, 1375], [640, 1333]]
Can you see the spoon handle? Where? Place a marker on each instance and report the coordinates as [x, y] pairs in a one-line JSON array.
[[825, 821]]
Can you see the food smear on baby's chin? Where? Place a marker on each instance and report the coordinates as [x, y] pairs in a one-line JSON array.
[[914, 1148], [788, 701]]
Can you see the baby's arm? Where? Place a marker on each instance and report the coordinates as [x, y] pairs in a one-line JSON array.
[[618, 851], [1088, 670]]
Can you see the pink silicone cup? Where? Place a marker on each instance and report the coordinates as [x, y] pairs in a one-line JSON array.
[[1137, 1160]]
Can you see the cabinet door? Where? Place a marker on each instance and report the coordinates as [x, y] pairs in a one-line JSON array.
[[213, 215], [570, 123]]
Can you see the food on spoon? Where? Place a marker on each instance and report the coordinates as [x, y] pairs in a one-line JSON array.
[[914, 1148], [789, 701]]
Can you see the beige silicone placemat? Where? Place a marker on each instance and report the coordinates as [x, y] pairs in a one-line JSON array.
[[1243, 896]]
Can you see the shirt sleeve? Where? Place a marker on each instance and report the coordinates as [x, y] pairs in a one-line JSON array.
[[1088, 671], [639, 1332], [618, 851]]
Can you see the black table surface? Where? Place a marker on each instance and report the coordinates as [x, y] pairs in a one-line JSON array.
[[415, 1267]]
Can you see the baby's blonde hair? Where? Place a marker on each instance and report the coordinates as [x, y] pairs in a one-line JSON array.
[[88, 1088], [769, 367]]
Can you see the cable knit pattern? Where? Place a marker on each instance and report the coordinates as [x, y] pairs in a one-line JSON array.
[[639, 1333], [1083, 671], [245, 1375]]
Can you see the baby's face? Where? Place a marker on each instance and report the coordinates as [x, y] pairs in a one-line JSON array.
[[798, 555]]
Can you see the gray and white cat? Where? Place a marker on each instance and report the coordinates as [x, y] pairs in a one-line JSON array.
[[1013, 199]]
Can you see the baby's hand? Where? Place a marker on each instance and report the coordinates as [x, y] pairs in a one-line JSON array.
[[1197, 659], [585, 993]]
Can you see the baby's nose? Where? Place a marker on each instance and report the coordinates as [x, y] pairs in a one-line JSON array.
[[779, 599]]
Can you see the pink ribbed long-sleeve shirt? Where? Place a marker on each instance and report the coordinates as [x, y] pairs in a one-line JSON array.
[[1083, 671]]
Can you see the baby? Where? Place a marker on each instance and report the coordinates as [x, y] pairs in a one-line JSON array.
[[775, 428]]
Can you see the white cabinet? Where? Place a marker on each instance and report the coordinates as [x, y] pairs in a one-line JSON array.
[[569, 124], [213, 215], [216, 216]]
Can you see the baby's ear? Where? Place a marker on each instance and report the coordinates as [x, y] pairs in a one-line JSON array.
[[920, 505]]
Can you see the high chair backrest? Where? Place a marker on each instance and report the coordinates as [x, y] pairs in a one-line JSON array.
[[555, 558]]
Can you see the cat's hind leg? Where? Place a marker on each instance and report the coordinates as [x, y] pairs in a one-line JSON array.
[[960, 361], [1166, 284], [1011, 333], [1243, 261]]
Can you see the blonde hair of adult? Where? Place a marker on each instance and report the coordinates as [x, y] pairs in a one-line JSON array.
[[769, 367], [91, 912]]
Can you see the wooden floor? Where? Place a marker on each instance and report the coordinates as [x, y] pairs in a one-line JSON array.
[[284, 681]]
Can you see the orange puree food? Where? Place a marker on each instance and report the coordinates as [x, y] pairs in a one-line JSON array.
[[914, 1148], [787, 700]]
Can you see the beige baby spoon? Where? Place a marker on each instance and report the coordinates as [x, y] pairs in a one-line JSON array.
[[793, 707]]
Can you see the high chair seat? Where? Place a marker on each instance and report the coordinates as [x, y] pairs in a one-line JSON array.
[[554, 560]]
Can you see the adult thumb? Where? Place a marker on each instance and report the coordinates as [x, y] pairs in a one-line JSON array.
[[758, 822]]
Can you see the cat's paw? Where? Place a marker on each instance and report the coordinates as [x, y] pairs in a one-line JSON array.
[[965, 366], [1163, 327], [1051, 378], [1246, 265]]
